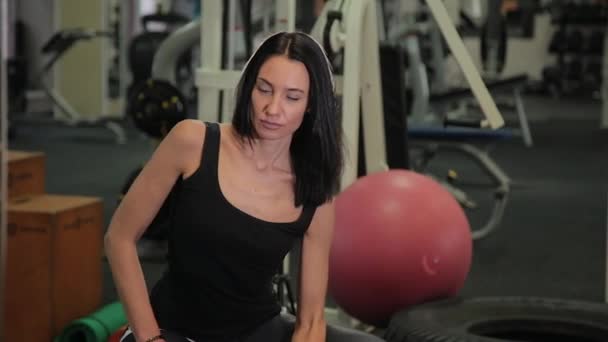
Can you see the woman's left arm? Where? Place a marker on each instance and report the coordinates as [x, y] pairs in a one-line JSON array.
[[310, 320]]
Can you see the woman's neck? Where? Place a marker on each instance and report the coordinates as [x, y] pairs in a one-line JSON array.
[[267, 154]]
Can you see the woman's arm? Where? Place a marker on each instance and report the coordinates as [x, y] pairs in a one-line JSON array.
[[310, 320], [174, 157]]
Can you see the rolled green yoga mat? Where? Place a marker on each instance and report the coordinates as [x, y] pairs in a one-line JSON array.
[[96, 327]]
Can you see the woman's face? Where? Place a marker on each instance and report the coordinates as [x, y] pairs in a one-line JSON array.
[[280, 97]]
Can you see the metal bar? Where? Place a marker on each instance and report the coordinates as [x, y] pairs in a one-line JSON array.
[[171, 49], [523, 118], [493, 117], [285, 11], [351, 90], [217, 79], [371, 91], [211, 58], [227, 94], [418, 80]]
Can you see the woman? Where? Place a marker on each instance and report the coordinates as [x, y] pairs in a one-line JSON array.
[[247, 191]]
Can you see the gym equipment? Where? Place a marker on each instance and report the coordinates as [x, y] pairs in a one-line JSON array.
[[144, 46], [513, 85], [56, 47], [141, 53], [577, 42], [17, 73], [492, 319], [359, 83], [17, 81], [284, 292], [463, 135], [155, 106], [171, 51], [400, 239], [395, 105], [333, 48], [493, 119], [96, 327], [494, 39], [433, 141], [493, 43], [215, 76]]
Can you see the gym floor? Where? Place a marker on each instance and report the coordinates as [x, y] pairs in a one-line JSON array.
[[552, 240]]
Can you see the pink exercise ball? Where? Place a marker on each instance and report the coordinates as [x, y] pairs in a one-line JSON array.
[[400, 239]]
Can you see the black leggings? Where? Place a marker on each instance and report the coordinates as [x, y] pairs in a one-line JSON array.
[[279, 329]]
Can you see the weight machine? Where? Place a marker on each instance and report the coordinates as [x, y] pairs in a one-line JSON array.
[[431, 129], [61, 42]]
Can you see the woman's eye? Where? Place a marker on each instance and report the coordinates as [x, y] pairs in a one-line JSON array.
[[291, 98], [263, 90]]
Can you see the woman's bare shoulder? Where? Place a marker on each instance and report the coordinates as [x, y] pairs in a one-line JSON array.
[[186, 139], [188, 132]]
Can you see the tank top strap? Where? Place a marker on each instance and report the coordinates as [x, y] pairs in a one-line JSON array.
[[308, 212], [211, 150]]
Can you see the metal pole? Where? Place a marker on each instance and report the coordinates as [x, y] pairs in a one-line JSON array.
[[285, 15], [3, 157], [493, 117], [211, 58], [493, 34]]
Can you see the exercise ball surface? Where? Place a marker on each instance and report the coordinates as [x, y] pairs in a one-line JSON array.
[[400, 239]]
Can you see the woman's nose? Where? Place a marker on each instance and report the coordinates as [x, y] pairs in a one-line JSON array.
[[274, 106]]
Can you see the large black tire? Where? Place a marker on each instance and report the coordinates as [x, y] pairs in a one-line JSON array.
[[495, 319]]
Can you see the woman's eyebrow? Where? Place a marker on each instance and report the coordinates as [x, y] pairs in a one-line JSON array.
[[270, 84]]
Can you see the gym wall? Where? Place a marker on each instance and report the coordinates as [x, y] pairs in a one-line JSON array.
[[524, 55], [80, 74]]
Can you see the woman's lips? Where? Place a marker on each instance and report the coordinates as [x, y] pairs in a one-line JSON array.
[[270, 125]]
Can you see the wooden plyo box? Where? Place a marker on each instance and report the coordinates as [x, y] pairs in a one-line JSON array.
[[26, 173], [54, 264]]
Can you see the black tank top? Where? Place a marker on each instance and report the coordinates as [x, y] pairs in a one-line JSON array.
[[221, 260]]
